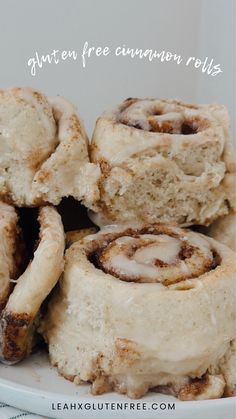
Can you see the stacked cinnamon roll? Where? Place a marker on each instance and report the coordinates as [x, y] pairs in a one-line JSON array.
[[43, 157], [142, 303], [145, 306], [43, 149], [165, 160]]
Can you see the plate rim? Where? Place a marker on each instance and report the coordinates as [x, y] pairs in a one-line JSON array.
[[14, 386]]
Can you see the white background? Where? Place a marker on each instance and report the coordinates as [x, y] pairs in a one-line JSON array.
[[197, 28]]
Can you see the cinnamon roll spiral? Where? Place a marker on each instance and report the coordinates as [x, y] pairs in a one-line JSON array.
[[21, 313], [158, 254], [140, 307], [11, 251], [164, 160], [43, 150]]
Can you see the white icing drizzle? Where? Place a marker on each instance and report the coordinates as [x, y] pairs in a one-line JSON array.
[[142, 263], [121, 263], [165, 248], [154, 257]]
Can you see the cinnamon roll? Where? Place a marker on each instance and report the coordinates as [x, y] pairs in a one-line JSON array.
[[20, 315], [164, 160], [144, 307], [224, 230], [11, 251], [43, 150]]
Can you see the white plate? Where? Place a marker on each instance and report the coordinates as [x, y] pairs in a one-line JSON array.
[[35, 386]]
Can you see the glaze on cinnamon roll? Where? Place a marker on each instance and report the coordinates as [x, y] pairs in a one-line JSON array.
[[144, 307], [164, 160], [20, 316], [43, 149]]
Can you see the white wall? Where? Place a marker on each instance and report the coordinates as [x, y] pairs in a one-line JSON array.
[[217, 38], [187, 27]]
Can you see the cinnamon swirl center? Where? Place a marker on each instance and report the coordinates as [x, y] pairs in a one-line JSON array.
[[157, 256], [153, 116]]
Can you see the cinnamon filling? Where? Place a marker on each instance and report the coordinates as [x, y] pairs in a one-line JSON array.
[[168, 126], [188, 128], [153, 256], [153, 116]]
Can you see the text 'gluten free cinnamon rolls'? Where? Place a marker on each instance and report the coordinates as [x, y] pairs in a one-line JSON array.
[[164, 160], [146, 307]]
